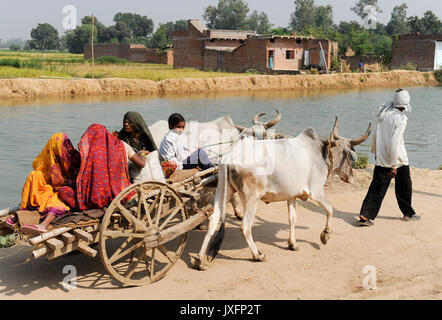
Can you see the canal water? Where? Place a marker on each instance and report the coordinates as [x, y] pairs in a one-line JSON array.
[[25, 126]]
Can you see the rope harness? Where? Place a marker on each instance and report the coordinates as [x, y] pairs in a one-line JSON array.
[[331, 158]]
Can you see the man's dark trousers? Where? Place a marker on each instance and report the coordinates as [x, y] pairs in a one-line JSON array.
[[378, 189]]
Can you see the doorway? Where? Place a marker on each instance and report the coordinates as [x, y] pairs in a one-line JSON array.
[[271, 59]]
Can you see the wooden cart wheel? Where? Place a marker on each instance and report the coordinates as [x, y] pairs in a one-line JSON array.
[[141, 211]]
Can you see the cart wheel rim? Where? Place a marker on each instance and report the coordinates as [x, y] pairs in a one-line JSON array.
[[141, 211]]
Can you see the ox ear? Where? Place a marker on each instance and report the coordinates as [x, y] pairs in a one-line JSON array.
[[353, 156]]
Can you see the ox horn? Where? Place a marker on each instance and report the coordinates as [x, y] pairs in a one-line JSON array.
[[241, 129], [336, 130], [256, 118], [356, 142], [275, 121]]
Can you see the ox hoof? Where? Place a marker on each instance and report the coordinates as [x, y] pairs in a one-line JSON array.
[[198, 265], [325, 236], [294, 247], [261, 258]]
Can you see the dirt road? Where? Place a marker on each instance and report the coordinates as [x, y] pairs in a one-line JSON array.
[[407, 256]]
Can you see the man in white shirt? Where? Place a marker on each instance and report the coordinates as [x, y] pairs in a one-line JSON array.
[[391, 161]]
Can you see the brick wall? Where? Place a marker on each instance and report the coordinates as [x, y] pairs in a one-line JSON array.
[[413, 49], [354, 61], [280, 48], [133, 53]]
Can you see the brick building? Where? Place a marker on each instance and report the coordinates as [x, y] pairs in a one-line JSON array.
[[422, 51], [129, 52], [237, 51]]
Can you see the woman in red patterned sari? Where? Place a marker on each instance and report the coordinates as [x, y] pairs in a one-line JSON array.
[[103, 173]]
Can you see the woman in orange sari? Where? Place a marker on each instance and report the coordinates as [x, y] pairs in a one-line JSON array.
[[56, 166]]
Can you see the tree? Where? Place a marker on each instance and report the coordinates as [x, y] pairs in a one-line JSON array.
[[428, 24], [360, 6], [304, 15], [101, 28], [75, 39], [44, 37], [229, 14], [14, 47], [324, 17], [259, 22], [398, 23], [139, 26], [161, 37], [308, 17], [280, 31]]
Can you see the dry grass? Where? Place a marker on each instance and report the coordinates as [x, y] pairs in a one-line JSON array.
[[73, 65]]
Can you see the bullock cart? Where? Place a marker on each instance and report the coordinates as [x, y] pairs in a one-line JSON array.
[[143, 231]]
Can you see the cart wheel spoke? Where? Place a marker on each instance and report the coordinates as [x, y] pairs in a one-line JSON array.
[[132, 268], [125, 253], [128, 229], [165, 253]]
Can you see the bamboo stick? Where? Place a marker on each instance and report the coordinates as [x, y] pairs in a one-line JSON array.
[[48, 235]]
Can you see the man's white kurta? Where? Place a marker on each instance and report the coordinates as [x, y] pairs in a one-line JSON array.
[[172, 148], [388, 141]]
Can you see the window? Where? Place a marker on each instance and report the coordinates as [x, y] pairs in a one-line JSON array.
[[290, 54], [298, 41]]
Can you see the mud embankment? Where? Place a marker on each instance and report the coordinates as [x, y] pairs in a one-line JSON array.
[[37, 88]]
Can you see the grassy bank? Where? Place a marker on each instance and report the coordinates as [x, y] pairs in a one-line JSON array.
[[30, 65]]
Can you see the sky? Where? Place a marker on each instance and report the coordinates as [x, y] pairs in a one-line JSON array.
[[21, 16]]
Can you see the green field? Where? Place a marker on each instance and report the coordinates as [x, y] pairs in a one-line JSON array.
[[54, 64]]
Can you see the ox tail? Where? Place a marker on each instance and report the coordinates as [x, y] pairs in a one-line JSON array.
[[220, 204]]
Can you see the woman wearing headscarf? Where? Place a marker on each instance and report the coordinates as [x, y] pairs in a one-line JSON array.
[[104, 170], [136, 133], [55, 167]]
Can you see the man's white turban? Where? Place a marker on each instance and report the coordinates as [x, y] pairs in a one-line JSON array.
[[402, 99]]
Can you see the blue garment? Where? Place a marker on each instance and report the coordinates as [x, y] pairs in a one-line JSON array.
[[197, 159], [271, 63]]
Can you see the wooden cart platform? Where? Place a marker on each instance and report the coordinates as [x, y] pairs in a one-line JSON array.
[[143, 232]]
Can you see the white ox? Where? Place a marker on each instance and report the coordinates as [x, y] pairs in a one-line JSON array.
[[222, 130], [282, 170], [217, 135]]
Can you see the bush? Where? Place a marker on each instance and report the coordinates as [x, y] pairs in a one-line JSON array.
[[409, 66], [8, 241], [362, 162], [110, 60], [438, 75], [253, 71], [21, 64], [335, 64], [14, 47], [440, 167]]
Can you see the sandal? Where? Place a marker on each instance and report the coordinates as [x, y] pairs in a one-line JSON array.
[[33, 231], [365, 223], [11, 221]]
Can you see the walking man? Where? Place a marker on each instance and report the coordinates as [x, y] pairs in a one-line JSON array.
[[391, 161]]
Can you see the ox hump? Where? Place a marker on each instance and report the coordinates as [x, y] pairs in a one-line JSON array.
[[311, 133]]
